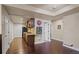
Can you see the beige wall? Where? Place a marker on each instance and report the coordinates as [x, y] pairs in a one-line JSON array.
[[0, 19], [57, 33], [71, 30]]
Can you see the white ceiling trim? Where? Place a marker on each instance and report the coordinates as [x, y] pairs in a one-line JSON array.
[[30, 8], [38, 10], [65, 9]]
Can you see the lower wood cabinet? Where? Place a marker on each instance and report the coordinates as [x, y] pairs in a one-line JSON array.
[[0, 44], [31, 39]]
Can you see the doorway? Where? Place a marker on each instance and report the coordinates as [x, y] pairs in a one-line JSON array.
[[46, 31]]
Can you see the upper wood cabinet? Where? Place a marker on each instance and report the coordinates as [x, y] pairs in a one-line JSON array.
[[31, 26]]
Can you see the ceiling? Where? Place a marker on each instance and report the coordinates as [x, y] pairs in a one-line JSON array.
[[42, 11], [50, 7], [26, 13], [16, 19]]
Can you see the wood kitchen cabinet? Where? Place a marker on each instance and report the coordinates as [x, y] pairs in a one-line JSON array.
[[31, 39], [29, 34], [0, 43]]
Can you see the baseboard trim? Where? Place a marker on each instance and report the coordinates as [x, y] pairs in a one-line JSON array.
[[71, 47], [57, 40], [42, 42]]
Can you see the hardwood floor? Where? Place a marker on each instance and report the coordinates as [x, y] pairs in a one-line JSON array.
[[49, 47], [18, 46]]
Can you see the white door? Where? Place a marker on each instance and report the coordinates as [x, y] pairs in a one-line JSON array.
[[46, 31], [5, 40], [10, 31]]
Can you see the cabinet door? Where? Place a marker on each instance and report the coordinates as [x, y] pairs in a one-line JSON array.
[[0, 44]]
